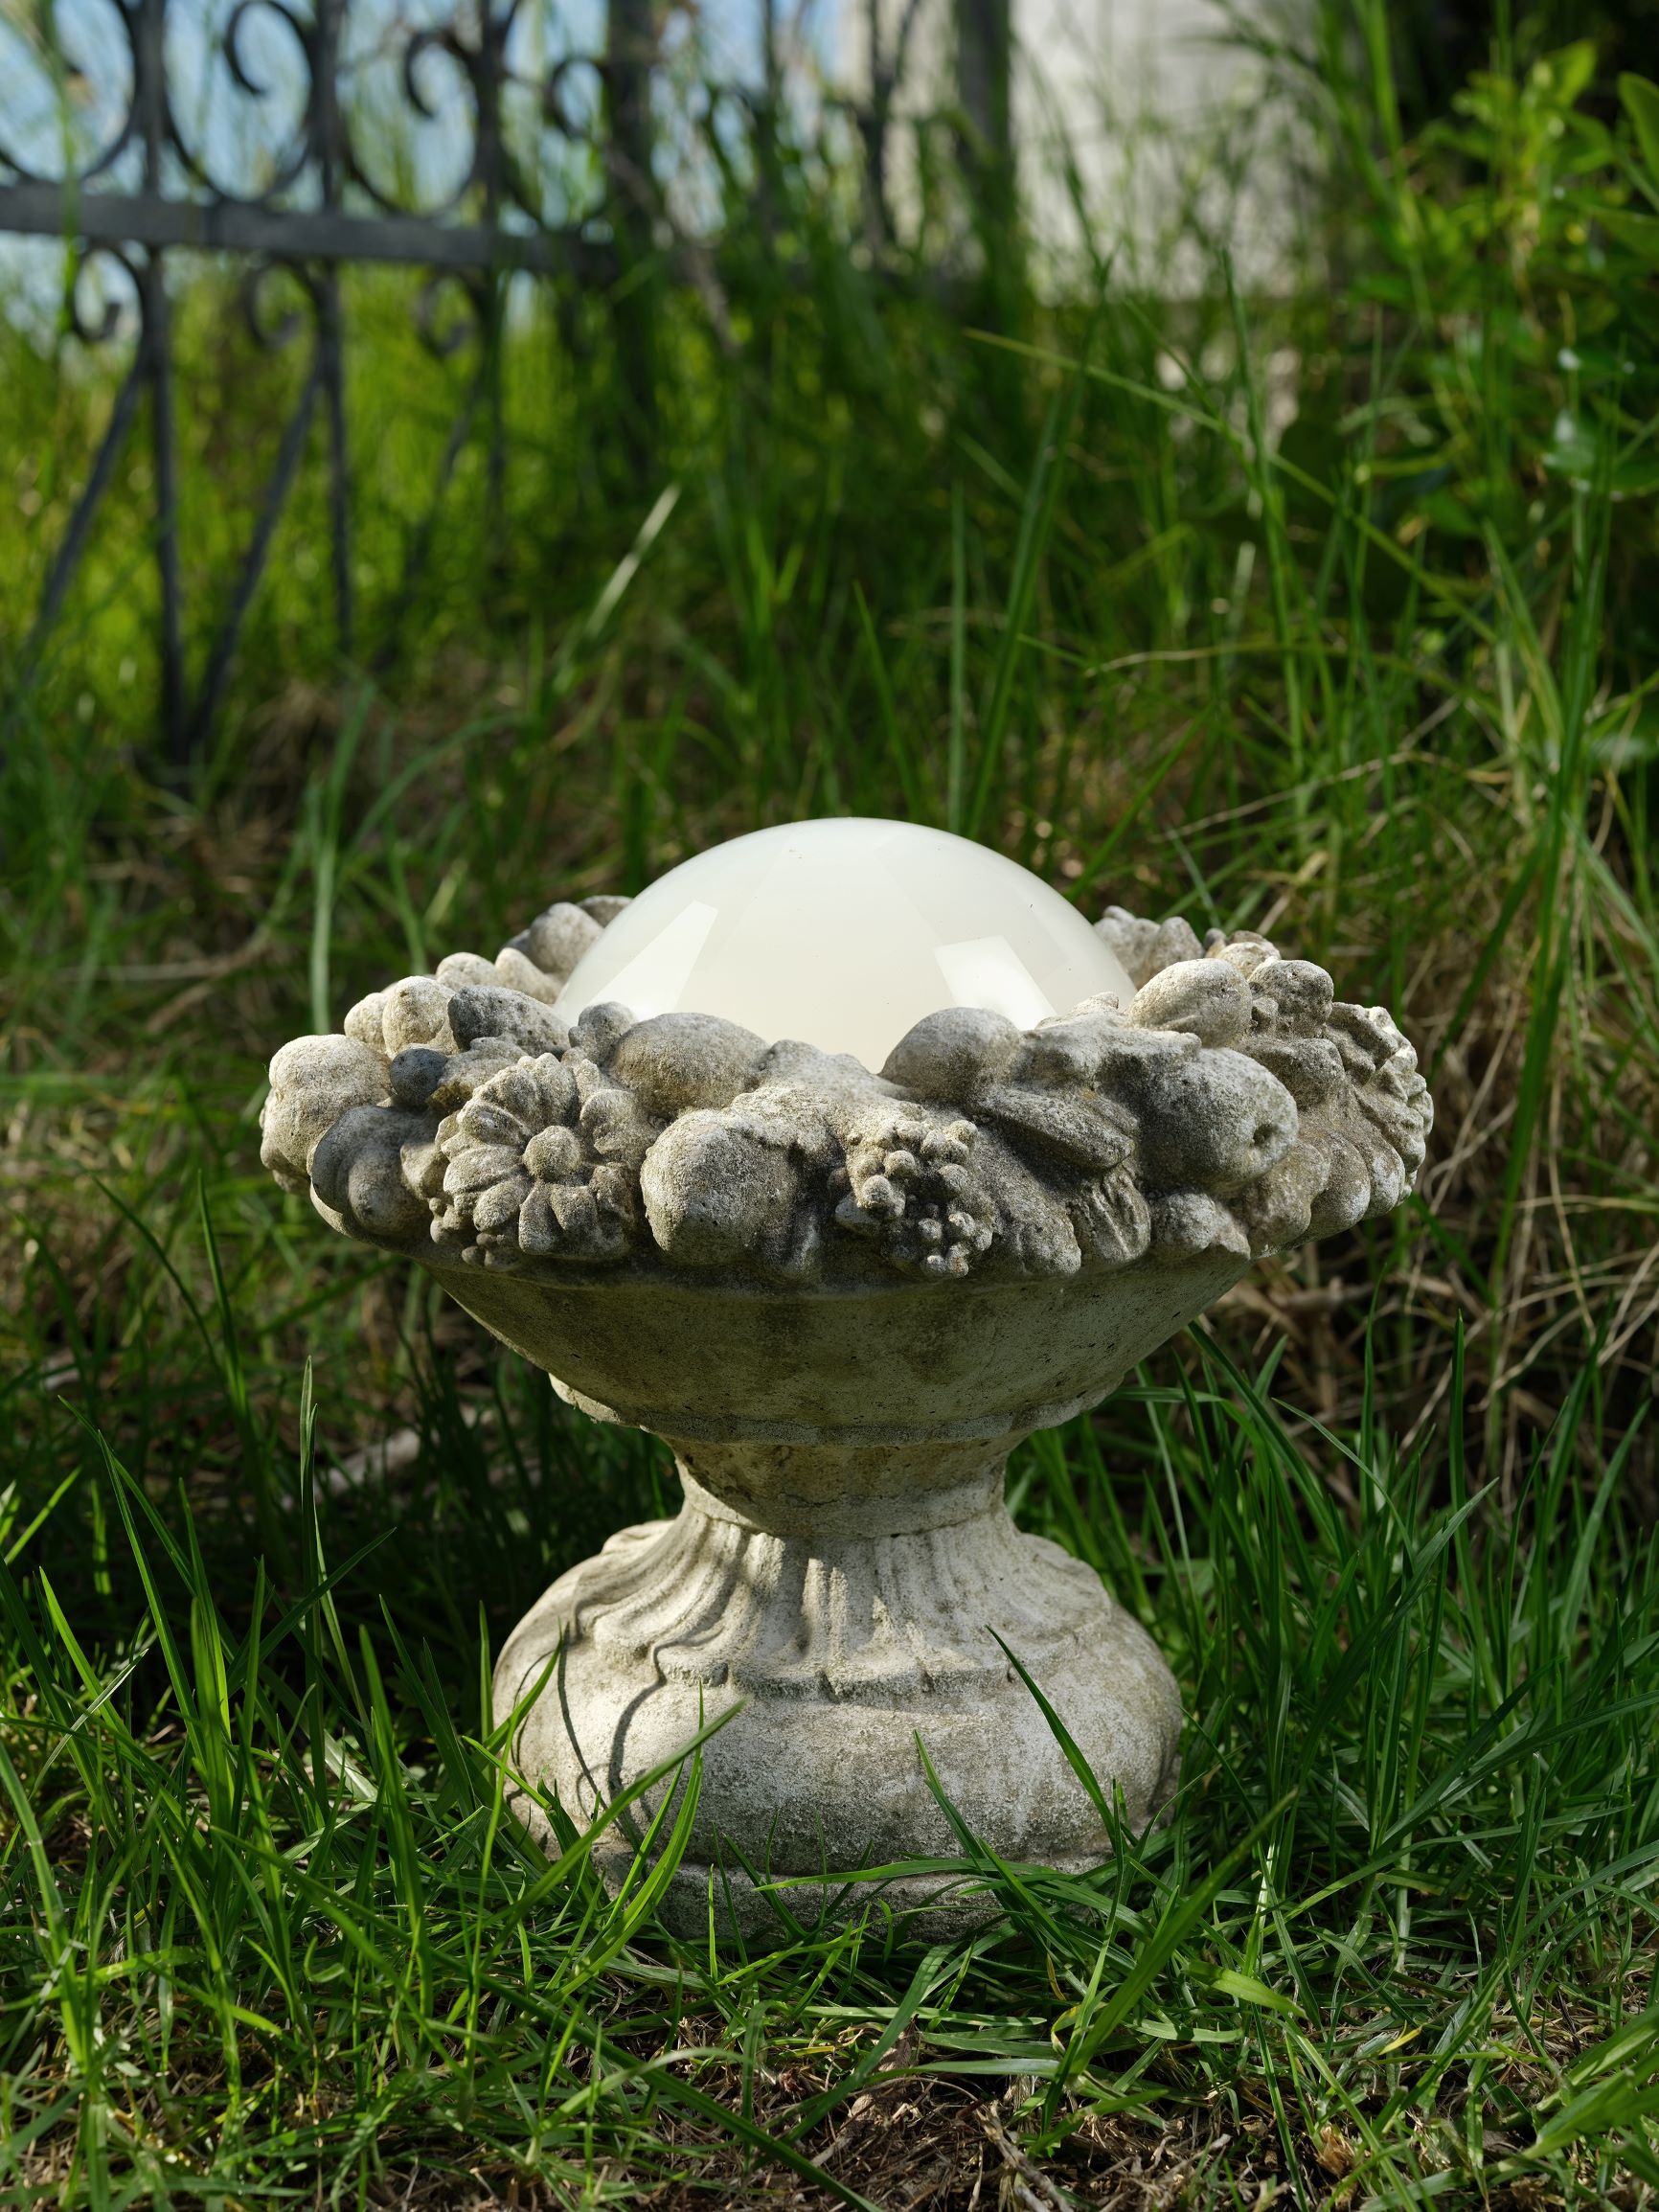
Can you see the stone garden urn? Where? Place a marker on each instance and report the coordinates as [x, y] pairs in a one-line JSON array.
[[843, 1158]]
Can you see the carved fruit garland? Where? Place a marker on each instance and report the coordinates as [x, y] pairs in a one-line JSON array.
[[1234, 1104]]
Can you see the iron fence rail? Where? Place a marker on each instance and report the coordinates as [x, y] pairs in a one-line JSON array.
[[155, 221]]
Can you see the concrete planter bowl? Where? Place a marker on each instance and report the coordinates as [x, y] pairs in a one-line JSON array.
[[842, 1296]]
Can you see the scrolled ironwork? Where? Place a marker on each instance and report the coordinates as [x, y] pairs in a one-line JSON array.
[[552, 99], [550, 171], [443, 336], [301, 152], [60, 69], [273, 333], [230, 41], [112, 312]]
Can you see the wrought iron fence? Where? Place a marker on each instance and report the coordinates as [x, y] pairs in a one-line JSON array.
[[552, 174]]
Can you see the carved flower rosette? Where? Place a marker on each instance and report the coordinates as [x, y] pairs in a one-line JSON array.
[[1233, 1105]]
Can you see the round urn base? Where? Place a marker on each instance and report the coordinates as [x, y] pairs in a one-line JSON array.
[[857, 1627]]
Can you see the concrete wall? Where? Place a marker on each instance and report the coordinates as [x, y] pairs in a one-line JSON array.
[[1171, 127]]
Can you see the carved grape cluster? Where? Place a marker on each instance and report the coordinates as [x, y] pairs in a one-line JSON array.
[[905, 1183]]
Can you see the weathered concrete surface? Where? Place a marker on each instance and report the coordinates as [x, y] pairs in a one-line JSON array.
[[841, 1649], [842, 1295], [842, 1569], [896, 1365]]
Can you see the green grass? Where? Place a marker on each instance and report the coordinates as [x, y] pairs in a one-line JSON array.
[[1331, 614]]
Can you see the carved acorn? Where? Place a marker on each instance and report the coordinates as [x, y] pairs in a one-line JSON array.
[[953, 1055], [675, 1062], [416, 1012], [314, 1081], [416, 1074], [1203, 998], [720, 1194], [1275, 1209], [1213, 1121], [1145, 948], [358, 1176], [490, 1009], [1188, 1224], [1300, 993], [557, 940]]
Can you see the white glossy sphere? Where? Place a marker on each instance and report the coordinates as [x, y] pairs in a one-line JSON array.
[[843, 933]]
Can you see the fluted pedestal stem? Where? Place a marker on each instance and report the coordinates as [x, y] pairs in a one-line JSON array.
[[851, 1597]]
